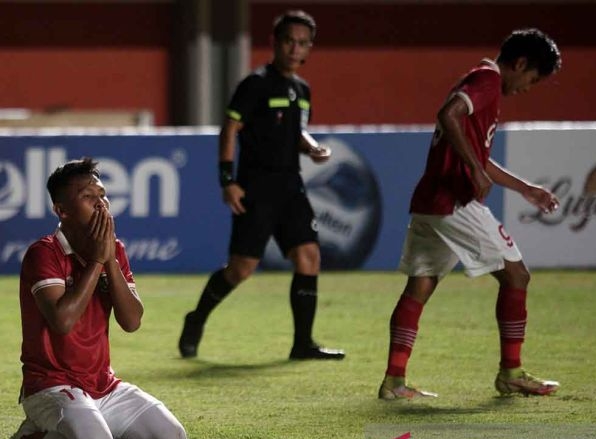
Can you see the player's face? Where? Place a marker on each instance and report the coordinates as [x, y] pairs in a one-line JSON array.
[[292, 48], [520, 81], [83, 195]]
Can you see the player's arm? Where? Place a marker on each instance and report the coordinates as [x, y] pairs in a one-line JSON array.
[[232, 193], [63, 308], [227, 139], [504, 177], [126, 304], [316, 151], [450, 119], [534, 194], [128, 308]]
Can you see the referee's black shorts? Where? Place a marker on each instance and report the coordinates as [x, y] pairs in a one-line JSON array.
[[276, 205]]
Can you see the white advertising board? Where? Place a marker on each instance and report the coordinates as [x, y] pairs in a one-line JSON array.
[[563, 160]]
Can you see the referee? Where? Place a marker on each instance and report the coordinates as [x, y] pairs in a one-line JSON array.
[[269, 112]]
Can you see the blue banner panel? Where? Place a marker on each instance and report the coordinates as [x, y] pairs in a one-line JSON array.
[[163, 192], [167, 204]]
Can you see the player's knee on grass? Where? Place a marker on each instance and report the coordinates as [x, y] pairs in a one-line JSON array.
[[157, 422]]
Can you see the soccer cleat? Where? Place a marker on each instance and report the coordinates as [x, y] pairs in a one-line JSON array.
[[315, 352], [190, 337], [509, 381], [396, 388]]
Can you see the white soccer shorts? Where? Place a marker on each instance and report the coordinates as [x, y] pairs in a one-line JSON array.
[[119, 409], [472, 235]]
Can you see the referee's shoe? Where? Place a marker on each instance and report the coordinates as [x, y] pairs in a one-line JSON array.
[[191, 336], [313, 351]]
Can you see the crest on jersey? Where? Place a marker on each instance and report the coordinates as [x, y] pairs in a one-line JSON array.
[[291, 94]]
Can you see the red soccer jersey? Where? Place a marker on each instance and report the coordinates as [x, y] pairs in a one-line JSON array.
[[447, 181], [80, 358]]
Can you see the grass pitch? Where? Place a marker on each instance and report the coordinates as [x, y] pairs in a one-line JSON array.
[[242, 386]]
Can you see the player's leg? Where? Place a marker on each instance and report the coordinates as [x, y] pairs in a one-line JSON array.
[[511, 314], [403, 328], [132, 413], [483, 246], [303, 301], [511, 311], [425, 259], [216, 289], [296, 235], [250, 233], [220, 284], [157, 422], [404, 322], [66, 412], [303, 291]]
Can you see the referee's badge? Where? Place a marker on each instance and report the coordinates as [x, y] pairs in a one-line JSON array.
[[291, 94]]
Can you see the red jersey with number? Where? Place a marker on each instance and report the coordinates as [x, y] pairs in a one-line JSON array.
[[80, 358], [447, 181]]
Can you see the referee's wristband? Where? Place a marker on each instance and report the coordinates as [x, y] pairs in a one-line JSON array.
[[226, 173]]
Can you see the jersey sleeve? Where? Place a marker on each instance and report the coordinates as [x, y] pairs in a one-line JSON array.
[[245, 99], [479, 89], [124, 263], [42, 268]]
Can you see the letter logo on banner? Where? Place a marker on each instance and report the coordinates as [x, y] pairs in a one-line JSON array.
[[578, 207], [147, 189], [12, 190], [25, 189]]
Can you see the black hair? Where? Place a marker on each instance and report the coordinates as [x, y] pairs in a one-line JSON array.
[[281, 23], [62, 176], [540, 51]]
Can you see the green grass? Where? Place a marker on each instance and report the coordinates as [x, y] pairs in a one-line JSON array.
[[243, 386]]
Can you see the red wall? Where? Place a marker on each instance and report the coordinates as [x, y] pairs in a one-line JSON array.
[[394, 63], [85, 56], [378, 63]]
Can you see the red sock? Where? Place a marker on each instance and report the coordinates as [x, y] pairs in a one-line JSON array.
[[511, 317], [404, 328]]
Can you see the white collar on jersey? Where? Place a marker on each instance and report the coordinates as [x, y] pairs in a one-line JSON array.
[[66, 248], [491, 64]]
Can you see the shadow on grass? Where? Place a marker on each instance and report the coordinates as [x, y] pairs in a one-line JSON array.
[[209, 369], [424, 410], [423, 407]]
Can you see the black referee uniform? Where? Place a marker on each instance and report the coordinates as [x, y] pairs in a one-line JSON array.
[[268, 115], [274, 110]]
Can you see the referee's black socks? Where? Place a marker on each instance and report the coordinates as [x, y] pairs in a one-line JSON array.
[[215, 291], [303, 300]]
